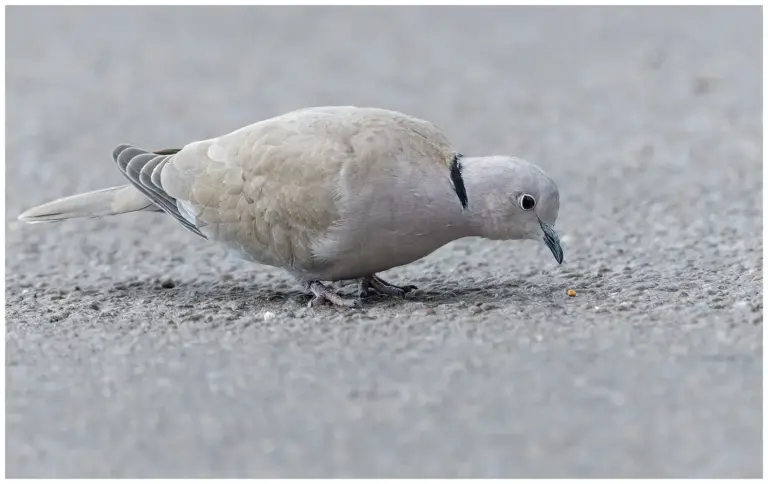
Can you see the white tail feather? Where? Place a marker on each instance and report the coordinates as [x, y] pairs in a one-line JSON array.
[[99, 203]]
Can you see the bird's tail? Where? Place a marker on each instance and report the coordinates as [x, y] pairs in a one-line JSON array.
[[99, 203]]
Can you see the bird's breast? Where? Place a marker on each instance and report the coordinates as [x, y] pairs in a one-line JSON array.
[[390, 229]]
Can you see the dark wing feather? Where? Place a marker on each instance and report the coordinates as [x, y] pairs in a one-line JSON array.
[[143, 169], [168, 151]]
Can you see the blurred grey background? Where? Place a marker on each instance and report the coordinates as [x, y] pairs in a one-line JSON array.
[[134, 349]]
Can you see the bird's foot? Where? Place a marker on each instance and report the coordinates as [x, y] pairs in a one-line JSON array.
[[376, 284], [324, 295]]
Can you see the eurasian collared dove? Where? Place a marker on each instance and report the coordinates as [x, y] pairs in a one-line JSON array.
[[329, 194]]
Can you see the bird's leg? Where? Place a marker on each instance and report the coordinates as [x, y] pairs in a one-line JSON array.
[[365, 287], [381, 286], [322, 295]]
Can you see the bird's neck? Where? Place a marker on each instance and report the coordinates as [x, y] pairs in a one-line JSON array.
[[480, 175], [445, 218]]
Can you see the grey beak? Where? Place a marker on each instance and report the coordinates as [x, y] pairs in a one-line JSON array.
[[552, 241]]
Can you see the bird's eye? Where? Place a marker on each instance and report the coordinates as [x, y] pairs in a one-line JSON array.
[[527, 202]]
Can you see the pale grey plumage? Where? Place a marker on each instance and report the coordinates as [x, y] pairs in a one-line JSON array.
[[329, 193], [98, 203]]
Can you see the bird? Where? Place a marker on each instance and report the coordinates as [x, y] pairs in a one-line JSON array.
[[329, 194]]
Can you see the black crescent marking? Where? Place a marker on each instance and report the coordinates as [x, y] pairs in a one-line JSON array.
[[169, 151], [142, 169], [458, 181]]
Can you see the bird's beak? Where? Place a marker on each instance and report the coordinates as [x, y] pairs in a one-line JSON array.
[[552, 241]]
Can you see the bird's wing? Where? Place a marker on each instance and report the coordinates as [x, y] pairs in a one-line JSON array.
[[272, 189], [143, 170]]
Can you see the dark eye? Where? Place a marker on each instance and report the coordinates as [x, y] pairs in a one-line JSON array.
[[527, 202]]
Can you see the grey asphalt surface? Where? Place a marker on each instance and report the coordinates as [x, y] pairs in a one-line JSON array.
[[134, 349]]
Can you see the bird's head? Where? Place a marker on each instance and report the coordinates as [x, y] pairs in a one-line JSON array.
[[512, 199]]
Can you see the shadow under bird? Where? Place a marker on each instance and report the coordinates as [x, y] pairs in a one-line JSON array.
[[329, 194]]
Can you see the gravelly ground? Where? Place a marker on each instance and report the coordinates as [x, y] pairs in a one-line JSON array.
[[650, 121]]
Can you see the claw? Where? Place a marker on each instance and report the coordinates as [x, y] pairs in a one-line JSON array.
[[376, 284], [324, 295]]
